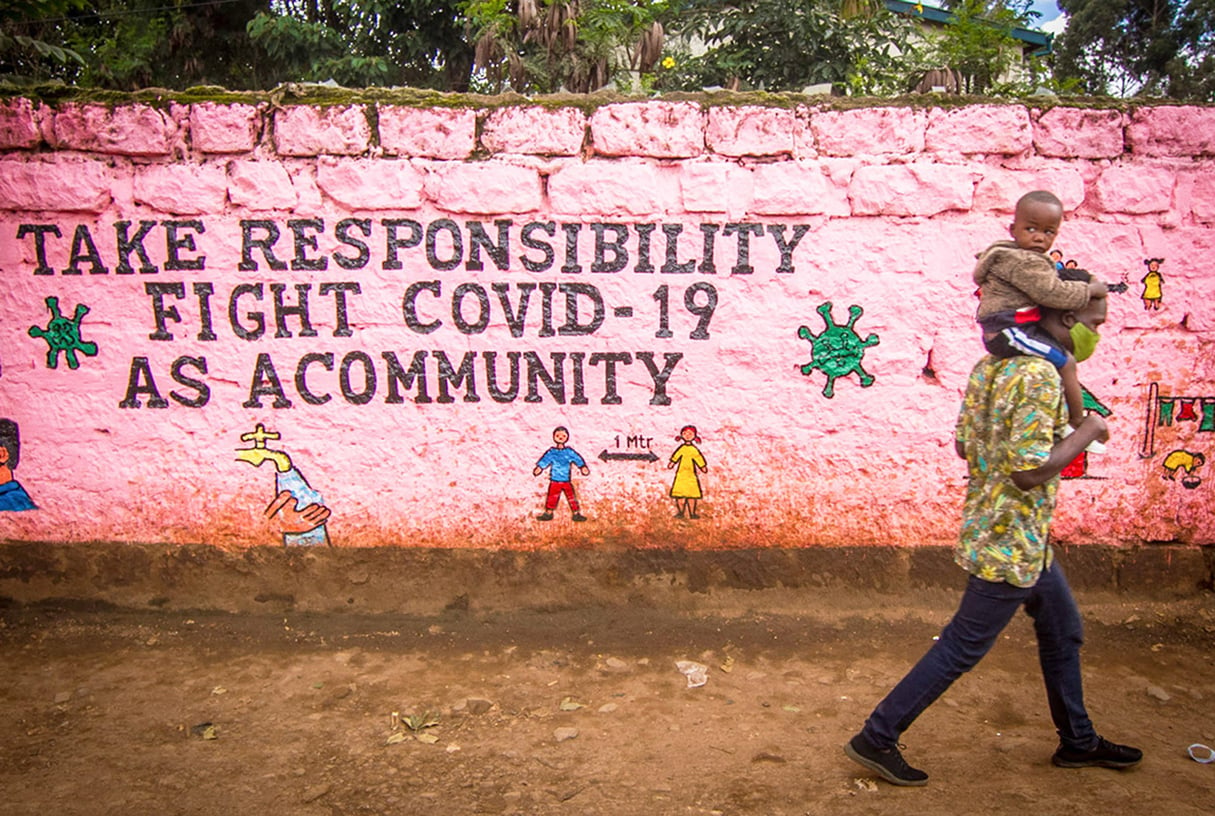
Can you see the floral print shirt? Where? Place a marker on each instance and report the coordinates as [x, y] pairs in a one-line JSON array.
[[1012, 413]]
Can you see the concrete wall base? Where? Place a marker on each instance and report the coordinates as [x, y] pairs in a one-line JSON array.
[[431, 581]]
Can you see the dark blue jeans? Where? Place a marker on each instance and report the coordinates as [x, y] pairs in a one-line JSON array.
[[985, 610]]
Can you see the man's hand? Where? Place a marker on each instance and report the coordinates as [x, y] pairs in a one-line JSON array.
[[1097, 426]]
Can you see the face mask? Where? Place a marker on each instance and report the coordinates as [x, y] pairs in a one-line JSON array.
[[1084, 341]]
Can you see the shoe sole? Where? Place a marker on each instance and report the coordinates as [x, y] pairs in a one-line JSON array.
[[881, 771], [1097, 763]]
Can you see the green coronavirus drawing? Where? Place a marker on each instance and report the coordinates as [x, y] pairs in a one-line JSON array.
[[63, 335], [838, 351]]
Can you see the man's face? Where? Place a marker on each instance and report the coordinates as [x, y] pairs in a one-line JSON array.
[[560, 437], [1093, 315], [1035, 225]]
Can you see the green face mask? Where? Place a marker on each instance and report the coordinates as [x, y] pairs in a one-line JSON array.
[[1084, 341]]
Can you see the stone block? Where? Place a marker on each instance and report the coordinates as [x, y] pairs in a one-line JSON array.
[[1135, 189], [750, 131], [605, 188], [717, 187], [434, 133], [870, 131], [370, 184], [665, 130], [1172, 131], [1078, 133], [217, 128], [486, 187], [990, 129], [796, 188], [305, 130], [18, 128], [261, 185], [1202, 195], [307, 191], [535, 131], [128, 130], [182, 189], [803, 135], [999, 188], [911, 189], [59, 185]]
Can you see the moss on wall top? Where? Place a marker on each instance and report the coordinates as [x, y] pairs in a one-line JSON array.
[[326, 96]]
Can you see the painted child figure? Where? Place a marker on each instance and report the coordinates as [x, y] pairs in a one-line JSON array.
[[1016, 277]]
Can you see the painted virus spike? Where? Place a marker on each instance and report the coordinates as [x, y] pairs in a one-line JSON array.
[[838, 351], [63, 335]]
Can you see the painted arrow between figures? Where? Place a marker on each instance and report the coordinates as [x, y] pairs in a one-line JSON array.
[[648, 456]]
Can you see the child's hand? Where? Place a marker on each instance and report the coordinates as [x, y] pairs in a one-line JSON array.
[[1097, 289]]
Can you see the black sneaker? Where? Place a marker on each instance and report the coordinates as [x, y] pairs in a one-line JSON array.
[[545, 516], [578, 517], [1104, 754], [888, 764]]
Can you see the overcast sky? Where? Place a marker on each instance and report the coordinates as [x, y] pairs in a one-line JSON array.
[[1051, 20]]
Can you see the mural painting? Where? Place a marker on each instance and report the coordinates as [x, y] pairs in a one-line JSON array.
[[13, 497], [1183, 420], [62, 335], [689, 463], [408, 328], [838, 351], [1153, 285], [1187, 463], [297, 512], [560, 461], [1078, 469]]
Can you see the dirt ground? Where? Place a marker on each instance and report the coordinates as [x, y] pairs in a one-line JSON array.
[[579, 711]]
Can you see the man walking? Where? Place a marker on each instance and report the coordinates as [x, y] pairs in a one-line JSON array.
[[1010, 431]]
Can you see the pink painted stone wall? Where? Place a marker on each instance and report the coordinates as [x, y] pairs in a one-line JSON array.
[[410, 300]]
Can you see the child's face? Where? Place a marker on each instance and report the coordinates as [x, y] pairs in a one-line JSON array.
[[1035, 225]]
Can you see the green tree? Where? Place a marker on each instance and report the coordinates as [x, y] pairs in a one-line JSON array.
[[786, 45], [420, 43], [29, 31], [979, 44], [243, 44], [579, 46], [130, 44], [1140, 47]]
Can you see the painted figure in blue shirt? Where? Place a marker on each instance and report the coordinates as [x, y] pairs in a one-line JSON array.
[[12, 495], [560, 460]]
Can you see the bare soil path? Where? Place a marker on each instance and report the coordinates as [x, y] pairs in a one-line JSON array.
[[579, 711]]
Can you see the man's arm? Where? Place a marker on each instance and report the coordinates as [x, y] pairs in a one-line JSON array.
[[1092, 429]]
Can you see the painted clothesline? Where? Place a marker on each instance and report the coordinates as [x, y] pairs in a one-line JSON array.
[[1161, 413]]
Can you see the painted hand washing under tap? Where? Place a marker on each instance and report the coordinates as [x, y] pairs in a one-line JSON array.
[[297, 511]]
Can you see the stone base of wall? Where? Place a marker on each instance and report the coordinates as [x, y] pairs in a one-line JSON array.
[[432, 581]]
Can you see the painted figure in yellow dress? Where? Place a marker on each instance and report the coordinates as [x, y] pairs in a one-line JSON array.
[[690, 463], [1153, 284]]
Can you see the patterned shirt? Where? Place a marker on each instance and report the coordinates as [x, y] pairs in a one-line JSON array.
[[1012, 413]]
